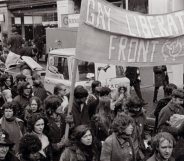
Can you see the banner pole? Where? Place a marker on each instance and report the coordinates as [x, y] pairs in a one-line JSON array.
[[126, 4], [74, 72]]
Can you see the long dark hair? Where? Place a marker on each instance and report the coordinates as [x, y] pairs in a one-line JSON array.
[[90, 151], [38, 101], [33, 119]]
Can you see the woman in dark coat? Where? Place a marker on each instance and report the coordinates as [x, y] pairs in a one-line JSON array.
[[35, 106], [102, 120], [83, 146]]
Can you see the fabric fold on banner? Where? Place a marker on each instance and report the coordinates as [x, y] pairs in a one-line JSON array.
[[104, 37], [105, 16]]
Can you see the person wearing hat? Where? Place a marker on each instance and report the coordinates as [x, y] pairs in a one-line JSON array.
[[6, 153], [175, 106]]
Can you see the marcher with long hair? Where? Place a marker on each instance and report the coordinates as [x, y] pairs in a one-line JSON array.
[[37, 125], [35, 106], [121, 144], [56, 123], [18, 80], [83, 146], [162, 145], [13, 125], [134, 108], [25, 93], [102, 120]]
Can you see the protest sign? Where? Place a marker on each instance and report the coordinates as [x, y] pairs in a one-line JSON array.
[[110, 35]]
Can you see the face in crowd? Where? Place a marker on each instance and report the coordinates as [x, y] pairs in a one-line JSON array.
[[8, 113], [165, 148], [34, 106], [39, 126], [3, 151], [87, 139], [27, 90], [129, 129]]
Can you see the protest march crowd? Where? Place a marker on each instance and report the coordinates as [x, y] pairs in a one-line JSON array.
[[103, 125]]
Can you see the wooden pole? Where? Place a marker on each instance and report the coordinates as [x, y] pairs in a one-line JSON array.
[[74, 72], [126, 4]]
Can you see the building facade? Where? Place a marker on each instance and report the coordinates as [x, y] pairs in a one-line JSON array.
[[31, 17]]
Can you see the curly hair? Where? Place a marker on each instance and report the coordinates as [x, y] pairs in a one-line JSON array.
[[11, 105], [121, 122], [29, 143], [51, 104], [33, 119], [160, 137]]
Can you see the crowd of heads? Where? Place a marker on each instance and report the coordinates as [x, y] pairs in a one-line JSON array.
[[111, 112]]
